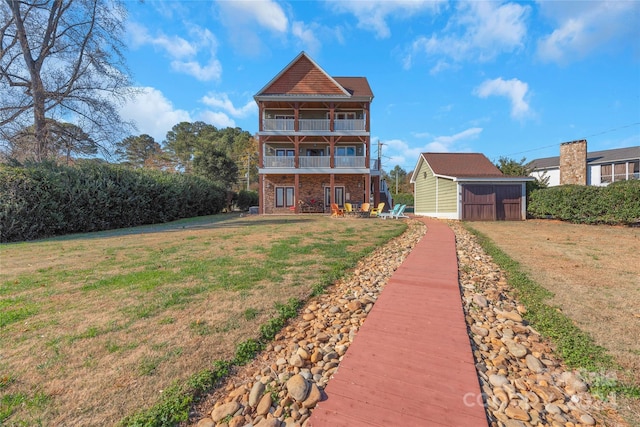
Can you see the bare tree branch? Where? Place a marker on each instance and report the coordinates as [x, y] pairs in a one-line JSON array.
[[62, 60]]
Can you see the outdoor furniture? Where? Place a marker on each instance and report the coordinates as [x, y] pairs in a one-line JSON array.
[[400, 213], [391, 213], [377, 210], [336, 211], [364, 210], [348, 209]]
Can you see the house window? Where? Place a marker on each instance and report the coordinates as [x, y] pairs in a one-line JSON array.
[[284, 197], [619, 172], [346, 151], [605, 174], [281, 152], [338, 196]]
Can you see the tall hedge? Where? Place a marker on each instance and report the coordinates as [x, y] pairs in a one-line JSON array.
[[45, 199], [617, 203]]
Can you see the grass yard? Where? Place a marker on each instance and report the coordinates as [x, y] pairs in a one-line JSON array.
[[594, 275], [94, 327]]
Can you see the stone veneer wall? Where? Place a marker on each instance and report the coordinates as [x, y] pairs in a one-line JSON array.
[[311, 188], [573, 162]]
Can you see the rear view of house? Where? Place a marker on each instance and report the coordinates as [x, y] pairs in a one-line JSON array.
[[467, 186], [314, 140]]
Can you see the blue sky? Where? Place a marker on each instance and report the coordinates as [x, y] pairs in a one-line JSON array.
[[511, 79]]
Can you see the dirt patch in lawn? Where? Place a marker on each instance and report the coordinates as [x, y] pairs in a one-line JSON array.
[[594, 272]]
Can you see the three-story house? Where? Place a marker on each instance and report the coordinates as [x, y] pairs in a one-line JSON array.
[[314, 141]]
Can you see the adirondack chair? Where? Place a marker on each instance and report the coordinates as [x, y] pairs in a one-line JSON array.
[[336, 211], [348, 209], [377, 210], [364, 210], [400, 213], [391, 213]]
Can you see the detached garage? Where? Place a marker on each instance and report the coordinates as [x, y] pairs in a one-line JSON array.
[[467, 186]]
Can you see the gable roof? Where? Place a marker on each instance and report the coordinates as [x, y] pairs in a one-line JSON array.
[[593, 158], [461, 165], [303, 77]]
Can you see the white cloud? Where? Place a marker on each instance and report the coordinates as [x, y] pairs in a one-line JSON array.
[[478, 30], [587, 26], [211, 71], [399, 152], [218, 119], [244, 20], [184, 54], [222, 101], [514, 89], [152, 113], [266, 13], [373, 14], [306, 35]]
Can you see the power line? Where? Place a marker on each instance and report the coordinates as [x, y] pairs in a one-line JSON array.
[[585, 137]]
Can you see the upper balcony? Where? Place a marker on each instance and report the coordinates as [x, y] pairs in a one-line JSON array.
[[313, 122]]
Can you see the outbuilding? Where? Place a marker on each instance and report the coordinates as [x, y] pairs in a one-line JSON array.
[[467, 186]]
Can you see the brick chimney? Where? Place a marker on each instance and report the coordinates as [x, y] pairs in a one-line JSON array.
[[573, 162]]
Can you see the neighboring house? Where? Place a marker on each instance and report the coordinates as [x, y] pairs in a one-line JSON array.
[[314, 140], [467, 186], [597, 168]]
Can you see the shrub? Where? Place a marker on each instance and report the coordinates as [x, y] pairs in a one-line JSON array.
[[247, 199], [618, 203], [45, 199], [403, 199]]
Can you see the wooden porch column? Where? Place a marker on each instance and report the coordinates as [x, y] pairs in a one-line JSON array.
[[376, 190], [296, 191], [331, 189], [367, 191], [260, 115], [332, 159], [260, 151], [296, 147], [262, 194], [296, 117], [331, 115], [367, 156]]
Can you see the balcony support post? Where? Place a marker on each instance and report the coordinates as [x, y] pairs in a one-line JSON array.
[[332, 146]]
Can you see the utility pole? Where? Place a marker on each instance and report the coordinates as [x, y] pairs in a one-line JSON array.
[[248, 170]]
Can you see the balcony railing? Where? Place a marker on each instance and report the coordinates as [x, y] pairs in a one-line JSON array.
[[349, 161], [314, 162], [349, 124], [314, 125], [279, 162], [278, 124]]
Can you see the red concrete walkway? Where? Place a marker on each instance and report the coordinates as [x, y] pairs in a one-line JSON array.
[[411, 362]]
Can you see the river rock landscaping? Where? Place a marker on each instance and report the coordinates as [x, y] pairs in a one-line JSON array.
[[522, 382]]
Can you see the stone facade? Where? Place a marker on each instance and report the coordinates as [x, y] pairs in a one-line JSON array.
[[573, 162], [311, 190]]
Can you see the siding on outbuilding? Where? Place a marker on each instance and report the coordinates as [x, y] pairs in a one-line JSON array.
[[466, 186]]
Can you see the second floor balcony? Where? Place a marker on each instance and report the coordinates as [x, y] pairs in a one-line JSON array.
[[314, 162]]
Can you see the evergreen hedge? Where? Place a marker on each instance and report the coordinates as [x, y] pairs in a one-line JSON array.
[[45, 199], [615, 204]]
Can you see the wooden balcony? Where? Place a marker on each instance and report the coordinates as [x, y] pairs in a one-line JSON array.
[[315, 162], [314, 125]]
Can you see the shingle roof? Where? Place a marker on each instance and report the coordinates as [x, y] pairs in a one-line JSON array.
[[356, 86], [593, 157], [303, 77], [462, 165]]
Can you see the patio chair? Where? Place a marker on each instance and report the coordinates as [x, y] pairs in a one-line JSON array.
[[364, 210], [336, 211], [400, 213], [391, 213], [377, 210], [348, 209]]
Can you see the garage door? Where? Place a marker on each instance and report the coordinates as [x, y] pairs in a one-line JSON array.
[[491, 202], [478, 203], [508, 199]]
